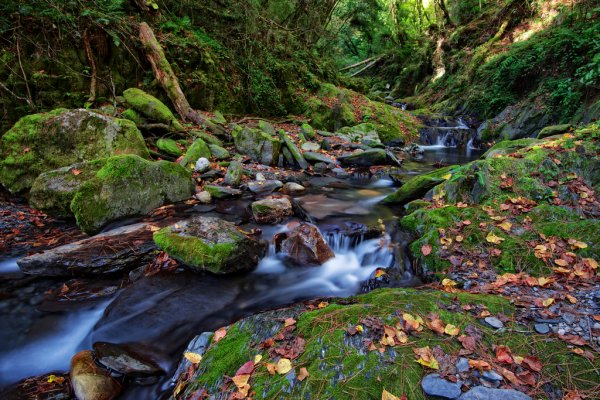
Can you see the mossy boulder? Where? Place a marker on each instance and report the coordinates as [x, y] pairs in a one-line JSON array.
[[43, 142], [197, 150], [151, 107], [169, 146], [340, 365], [508, 146], [365, 158], [219, 152], [553, 130], [234, 173], [366, 133], [127, 186], [211, 244], [133, 116], [257, 144], [308, 131]]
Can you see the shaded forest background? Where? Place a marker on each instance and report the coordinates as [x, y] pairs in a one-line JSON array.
[[475, 57]]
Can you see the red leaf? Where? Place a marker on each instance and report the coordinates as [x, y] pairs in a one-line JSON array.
[[533, 363], [426, 249], [246, 369]]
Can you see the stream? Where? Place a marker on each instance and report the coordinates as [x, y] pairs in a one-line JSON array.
[[160, 314]]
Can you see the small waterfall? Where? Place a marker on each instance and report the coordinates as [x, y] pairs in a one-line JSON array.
[[341, 242], [447, 132]]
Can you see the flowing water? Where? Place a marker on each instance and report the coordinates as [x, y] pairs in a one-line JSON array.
[[163, 312]]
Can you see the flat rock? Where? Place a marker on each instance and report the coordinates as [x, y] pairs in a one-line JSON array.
[[293, 188], [542, 328], [313, 158], [483, 393], [494, 322], [106, 253], [264, 186], [271, 210], [222, 192], [310, 146], [365, 158], [434, 385], [125, 360]]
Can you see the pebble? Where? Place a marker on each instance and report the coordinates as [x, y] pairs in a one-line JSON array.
[[434, 385], [202, 165], [542, 328], [203, 197], [561, 331], [293, 188], [483, 393], [462, 365], [260, 177], [568, 318], [492, 376], [494, 322]]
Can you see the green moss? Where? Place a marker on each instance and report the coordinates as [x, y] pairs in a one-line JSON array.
[[418, 186], [131, 115], [219, 152], [169, 146], [151, 107]]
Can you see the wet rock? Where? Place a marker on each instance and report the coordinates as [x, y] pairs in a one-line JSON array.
[[107, 253], [203, 197], [125, 361], [434, 385], [211, 244], [293, 150], [198, 345], [340, 172], [494, 322], [258, 145], [366, 158], [234, 174], [54, 386], [304, 244], [310, 146], [483, 393], [293, 188], [202, 165], [61, 138], [222, 192], [197, 150], [314, 158], [271, 210], [414, 189], [462, 365], [542, 328], [264, 186], [90, 381], [169, 146], [151, 107]]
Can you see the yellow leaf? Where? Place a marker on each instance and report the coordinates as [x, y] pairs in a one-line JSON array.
[[445, 241], [401, 336], [448, 176], [283, 366], [561, 262], [578, 245], [505, 226], [544, 281], [451, 330], [290, 322], [241, 380], [194, 358], [571, 299], [323, 304], [491, 238], [271, 368], [433, 363], [413, 323], [547, 302], [460, 238], [303, 374], [359, 328], [257, 358], [448, 283], [385, 395], [591, 262], [53, 378]]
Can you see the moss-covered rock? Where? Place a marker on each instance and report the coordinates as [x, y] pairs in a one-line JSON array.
[[169, 146], [197, 150], [234, 174], [418, 186], [341, 366], [127, 186], [295, 156], [211, 244], [133, 116], [151, 107], [308, 131], [43, 142], [508, 146], [219, 152], [366, 132], [365, 158], [271, 210], [554, 130], [257, 144]]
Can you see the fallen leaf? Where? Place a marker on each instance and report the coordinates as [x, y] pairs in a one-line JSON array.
[[283, 366], [425, 357], [241, 380], [426, 249], [323, 304], [571, 299], [290, 322], [451, 330], [303, 374], [385, 395], [436, 325], [548, 302], [533, 363], [246, 369], [194, 358], [413, 323], [491, 238], [257, 358], [75, 171], [505, 226], [480, 365], [219, 334], [448, 283], [271, 368], [55, 379], [503, 354]]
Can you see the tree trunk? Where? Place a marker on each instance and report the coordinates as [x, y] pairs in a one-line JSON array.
[[165, 75]]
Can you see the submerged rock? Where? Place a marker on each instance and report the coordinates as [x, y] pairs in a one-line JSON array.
[[151, 107], [304, 244], [125, 361], [256, 144], [43, 142], [109, 252], [272, 210], [211, 244], [90, 381]]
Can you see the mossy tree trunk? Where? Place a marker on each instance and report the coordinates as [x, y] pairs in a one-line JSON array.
[[165, 75]]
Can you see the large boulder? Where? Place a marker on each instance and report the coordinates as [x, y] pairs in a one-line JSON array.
[[257, 144], [304, 245], [107, 253], [151, 107], [43, 142], [508, 146], [101, 191], [211, 244]]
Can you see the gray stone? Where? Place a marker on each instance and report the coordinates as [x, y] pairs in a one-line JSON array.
[[568, 318], [203, 197], [434, 385], [542, 328], [219, 152], [222, 192], [310, 146], [264, 187], [125, 360], [271, 210], [197, 345], [492, 376], [234, 174], [483, 393], [202, 165], [365, 158], [314, 158], [293, 150], [258, 145], [462, 365], [293, 188], [494, 322]]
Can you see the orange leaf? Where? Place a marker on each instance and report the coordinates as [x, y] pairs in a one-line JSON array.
[[303, 374], [219, 334], [426, 249], [533, 363], [75, 171], [503, 354]]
